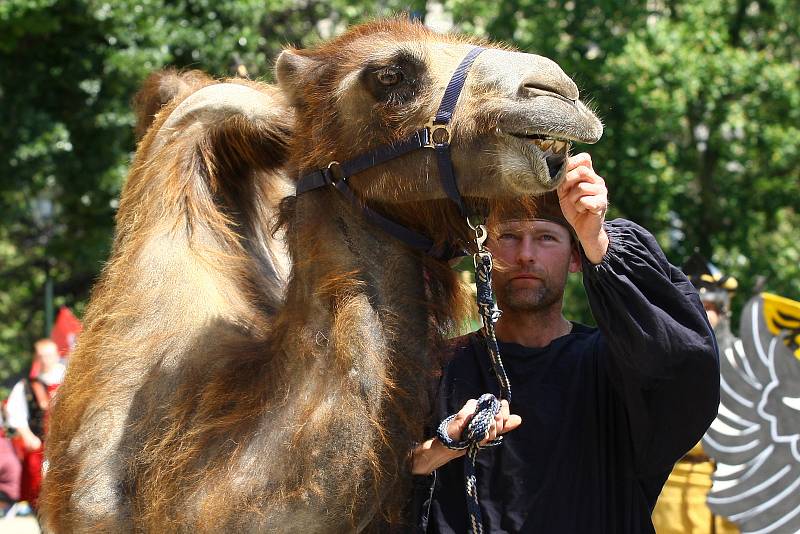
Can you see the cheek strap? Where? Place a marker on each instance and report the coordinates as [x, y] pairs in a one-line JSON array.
[[435, 135]]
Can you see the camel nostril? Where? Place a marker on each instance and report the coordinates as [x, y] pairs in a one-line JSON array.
[[562, 89], [530, 90]]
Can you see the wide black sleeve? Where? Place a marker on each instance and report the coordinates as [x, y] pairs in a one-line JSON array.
[[659, 351]]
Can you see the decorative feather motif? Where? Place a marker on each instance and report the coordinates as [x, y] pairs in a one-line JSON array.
[[754, 439]]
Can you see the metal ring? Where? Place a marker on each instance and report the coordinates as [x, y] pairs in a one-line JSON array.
[[337, 174], [479, 229], [440, 135]]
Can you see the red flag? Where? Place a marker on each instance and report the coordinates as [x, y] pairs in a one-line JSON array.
[[65, 331]]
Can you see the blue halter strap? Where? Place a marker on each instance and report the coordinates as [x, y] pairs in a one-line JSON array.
[[436, 135]]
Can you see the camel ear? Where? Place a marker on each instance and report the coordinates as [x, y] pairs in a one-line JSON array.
[[293, 71]]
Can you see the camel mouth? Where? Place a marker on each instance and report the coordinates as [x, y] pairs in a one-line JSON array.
[[554, 150]]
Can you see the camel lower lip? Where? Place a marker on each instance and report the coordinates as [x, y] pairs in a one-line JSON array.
[[553, 151], [554, 163]]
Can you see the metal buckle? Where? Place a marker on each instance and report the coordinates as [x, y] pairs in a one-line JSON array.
[[481, 234], [438, 134], [336, 176]]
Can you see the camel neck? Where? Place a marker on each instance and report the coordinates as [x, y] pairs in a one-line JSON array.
[[364, 313], [344, 257]]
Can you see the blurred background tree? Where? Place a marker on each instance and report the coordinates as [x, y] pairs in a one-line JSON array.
[[700, 99], [700, 102]]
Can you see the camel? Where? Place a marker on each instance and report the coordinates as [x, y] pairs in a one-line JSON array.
[[258, 361]]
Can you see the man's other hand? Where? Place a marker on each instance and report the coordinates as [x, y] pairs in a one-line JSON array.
[[503, 422], [584, 200], [432, 454]]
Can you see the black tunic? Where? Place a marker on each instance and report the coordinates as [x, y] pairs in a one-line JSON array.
[[606, 411]]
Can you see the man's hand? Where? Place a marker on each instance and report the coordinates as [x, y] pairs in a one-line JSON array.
[[432, 454], [584, 200], [503, 421]]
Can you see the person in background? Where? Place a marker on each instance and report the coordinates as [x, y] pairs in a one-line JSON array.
[[10, 471], [27, 411], [681, 507]]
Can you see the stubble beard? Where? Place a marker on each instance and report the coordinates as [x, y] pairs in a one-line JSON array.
[[528, 299]]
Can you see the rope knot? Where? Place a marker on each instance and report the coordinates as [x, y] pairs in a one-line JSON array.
[[488, 405], [478, 428]]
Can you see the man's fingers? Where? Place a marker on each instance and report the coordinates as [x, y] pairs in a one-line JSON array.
[[586, 196], [578, 160], [509, 423], [579, 175], [502, 416], [492, 435], [462, 419], [580, 182], [512, 422], [586, 188], [503, 421], [469, 407], [507, 420], [499, 423], [592, 204]]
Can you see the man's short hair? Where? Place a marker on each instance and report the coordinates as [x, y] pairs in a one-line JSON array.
[[545, 207]]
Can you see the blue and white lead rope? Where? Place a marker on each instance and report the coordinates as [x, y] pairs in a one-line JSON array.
[[488, 405]]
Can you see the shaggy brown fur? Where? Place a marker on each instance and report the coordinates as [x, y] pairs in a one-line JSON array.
[[160, 89], [210, 393]]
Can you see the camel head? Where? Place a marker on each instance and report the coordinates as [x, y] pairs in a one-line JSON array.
[[511, 130]]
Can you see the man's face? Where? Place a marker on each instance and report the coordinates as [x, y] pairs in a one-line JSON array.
[[533, 259], [48, 355], [713, 313]]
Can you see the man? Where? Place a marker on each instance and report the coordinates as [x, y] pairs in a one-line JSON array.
[[601, 415], [27, 410], [715, 290]]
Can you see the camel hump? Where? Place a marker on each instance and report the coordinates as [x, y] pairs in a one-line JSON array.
[[212, 162], [159, 89]]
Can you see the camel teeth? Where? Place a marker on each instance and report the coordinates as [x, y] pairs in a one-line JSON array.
[[559, 146], [546, 144]]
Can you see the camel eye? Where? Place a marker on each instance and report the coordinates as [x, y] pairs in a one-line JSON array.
[[393, 82], [389, 76]]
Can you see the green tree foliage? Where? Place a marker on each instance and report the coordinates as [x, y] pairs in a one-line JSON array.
[[700, 99], [700, 102]]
